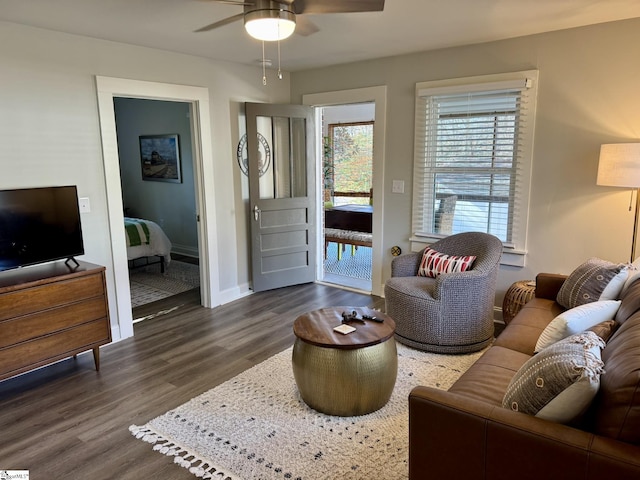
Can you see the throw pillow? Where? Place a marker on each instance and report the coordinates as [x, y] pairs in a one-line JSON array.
[[605, 329], [594, 280], [576, 320], [434, 263], [560, 382], [633, 274]]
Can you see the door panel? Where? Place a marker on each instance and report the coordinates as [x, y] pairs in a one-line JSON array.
[[282, 194]]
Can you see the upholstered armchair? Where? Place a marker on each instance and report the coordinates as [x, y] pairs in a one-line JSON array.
[[453, 312]]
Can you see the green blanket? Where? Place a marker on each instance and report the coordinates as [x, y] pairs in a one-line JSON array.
[[137, 232]]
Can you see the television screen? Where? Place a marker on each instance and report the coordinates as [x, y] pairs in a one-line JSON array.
[[38, 225]]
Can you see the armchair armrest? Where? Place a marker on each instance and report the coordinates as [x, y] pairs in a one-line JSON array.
[[548, 285], [406, 265], [455, 437]]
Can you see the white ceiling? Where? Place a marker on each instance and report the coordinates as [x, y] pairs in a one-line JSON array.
[[404, 26]]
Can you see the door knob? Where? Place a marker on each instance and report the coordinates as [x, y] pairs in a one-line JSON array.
[[256, 212]]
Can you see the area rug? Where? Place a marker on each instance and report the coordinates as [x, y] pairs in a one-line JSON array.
[[149, 285], [356, 266], [255, 426]]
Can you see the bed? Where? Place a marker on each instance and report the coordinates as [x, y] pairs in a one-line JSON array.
[[146, 242]]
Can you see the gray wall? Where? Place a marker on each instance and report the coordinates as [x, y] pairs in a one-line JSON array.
[[588, 95], [50, 131], [170, 205]]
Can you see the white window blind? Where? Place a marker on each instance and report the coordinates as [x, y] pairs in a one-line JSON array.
[[473, 157]]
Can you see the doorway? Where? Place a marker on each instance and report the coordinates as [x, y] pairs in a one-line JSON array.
[[198, 99], [376, 96], [158, 198], [347, 184]]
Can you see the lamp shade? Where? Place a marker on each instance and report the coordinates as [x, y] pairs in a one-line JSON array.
[[619, 165], [270, 25]]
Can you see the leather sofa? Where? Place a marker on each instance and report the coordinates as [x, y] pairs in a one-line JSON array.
[[465, 433]]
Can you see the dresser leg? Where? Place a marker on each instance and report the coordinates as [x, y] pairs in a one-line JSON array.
[[96, 358]]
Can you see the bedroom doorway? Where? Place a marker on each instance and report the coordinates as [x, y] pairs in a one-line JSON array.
[[109, 88], [159, 203]]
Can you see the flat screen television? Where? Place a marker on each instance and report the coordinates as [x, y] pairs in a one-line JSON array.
[[39, 225]]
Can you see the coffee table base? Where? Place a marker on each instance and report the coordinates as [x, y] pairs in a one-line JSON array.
[[345, 382]]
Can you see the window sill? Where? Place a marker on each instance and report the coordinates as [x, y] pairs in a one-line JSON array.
[[510, 256]]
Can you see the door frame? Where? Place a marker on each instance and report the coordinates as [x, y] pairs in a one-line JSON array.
[[377, 95], [198, 98]]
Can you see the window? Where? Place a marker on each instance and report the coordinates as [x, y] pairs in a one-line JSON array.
[[473, 157], [351, 155]]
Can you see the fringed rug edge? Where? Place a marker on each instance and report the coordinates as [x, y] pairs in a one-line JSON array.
[[182, 456]]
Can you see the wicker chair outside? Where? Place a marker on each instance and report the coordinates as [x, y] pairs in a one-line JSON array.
[[452, 313]]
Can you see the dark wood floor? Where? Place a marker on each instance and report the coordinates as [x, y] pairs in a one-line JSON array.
[[67, 421]]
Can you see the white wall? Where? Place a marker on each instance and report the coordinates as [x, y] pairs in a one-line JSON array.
[[49, 129], [171, 205], [588, 95]]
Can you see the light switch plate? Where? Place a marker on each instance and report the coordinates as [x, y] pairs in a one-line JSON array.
[[84, 204], [398, 186]]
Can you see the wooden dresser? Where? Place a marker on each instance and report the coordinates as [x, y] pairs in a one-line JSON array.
[[50, 312]]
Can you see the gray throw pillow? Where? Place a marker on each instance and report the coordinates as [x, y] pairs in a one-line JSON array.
[[560, 382], [590, 281]]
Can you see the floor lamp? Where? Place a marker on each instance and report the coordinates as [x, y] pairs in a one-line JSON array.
[[619, 166]]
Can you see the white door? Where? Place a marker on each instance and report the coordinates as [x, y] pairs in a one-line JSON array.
[[281, 151]]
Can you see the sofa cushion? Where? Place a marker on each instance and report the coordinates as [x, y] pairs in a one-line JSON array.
[[616, 409], [559, 383], [487, 379], [594, 280], [630, 303], [605, 329], [576, 320], [525, 328], [434, 263]]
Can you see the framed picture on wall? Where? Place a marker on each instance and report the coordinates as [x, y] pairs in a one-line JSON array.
[[160, 158]]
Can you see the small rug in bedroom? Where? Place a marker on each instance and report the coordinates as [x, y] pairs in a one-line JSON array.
[[255, 426], [149, 285]]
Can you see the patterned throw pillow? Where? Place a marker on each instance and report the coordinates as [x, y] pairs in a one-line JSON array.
[[560, 382], [594, 280], [434, 263]]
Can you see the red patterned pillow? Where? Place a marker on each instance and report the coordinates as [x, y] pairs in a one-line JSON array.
[[434, 263]]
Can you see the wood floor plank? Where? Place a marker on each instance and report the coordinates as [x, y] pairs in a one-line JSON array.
[[69, 421]]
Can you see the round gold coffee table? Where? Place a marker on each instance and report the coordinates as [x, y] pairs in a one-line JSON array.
[[344, 375]]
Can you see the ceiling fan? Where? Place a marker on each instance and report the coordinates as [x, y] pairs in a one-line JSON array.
[[271, 20]]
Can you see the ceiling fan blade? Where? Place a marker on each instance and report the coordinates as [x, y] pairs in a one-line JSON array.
[[337, 6], [232, 2], [221, 23], [305, 27]]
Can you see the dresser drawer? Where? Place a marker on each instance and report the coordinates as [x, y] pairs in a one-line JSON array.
[[33, 299], [41, 351], [21, 329]]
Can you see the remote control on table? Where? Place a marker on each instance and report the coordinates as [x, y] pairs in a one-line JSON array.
[[372, 318]]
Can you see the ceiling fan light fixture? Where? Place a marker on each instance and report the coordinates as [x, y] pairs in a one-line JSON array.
[[270, 25]]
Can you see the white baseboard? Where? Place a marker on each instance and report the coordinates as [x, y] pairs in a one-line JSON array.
[[186, 250], [234, 293]]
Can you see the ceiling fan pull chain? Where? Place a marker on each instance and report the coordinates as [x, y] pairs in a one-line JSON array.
[[264, 68], [279, 71]]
